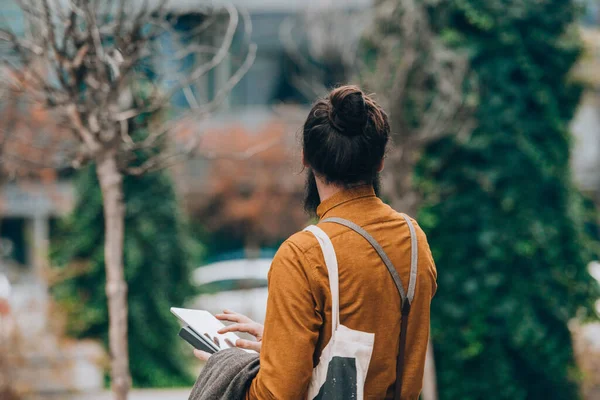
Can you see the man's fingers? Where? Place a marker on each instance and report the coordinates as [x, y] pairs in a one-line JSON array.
[[231, 316], [202, 355], [231, 328], [228, 317], [248, 328], [247, 344], [237, 315], [231, 312]]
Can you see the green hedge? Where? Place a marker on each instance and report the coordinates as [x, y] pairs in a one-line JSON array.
[[504, 220]]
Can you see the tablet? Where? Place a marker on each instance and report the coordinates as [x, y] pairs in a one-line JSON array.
[[205, 324], [199, 342]]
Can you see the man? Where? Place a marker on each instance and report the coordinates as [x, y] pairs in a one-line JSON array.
[[344, 143]]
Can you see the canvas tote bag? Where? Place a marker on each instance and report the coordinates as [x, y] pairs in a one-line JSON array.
[[344, 362]]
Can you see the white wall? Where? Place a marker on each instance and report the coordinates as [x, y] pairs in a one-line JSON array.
[[586, 144]]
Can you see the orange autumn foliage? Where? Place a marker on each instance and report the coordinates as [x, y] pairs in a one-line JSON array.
[[254, 185], [31, 139]]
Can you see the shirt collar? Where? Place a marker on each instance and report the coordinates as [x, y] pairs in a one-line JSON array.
[[344, 196]]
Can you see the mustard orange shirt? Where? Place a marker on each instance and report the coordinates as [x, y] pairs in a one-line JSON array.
[[298, 319]]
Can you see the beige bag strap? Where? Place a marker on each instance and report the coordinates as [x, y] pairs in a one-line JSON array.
[[332, 269]]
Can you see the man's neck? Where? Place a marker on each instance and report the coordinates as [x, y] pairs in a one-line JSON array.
[[326, 190]]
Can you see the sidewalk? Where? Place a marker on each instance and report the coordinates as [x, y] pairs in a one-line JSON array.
[[140, 394]]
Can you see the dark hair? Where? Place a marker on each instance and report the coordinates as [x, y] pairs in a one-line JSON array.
[[345, 137]]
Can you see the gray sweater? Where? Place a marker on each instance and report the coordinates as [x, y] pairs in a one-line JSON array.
[[226, 376]]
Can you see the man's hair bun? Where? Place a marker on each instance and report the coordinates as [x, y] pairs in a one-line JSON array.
[[349, 112]]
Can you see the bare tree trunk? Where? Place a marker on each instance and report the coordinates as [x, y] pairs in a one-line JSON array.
[[251, 245], [429, 378], [111, 184]]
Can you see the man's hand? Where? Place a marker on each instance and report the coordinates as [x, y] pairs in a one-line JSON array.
[[241, 323], [201, 355]]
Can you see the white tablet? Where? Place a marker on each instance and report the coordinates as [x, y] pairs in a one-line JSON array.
[[205, 324]]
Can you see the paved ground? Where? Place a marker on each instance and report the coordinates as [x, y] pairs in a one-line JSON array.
[[170, 394]]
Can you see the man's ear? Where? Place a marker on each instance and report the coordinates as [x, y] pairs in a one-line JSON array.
[[304, 161], [381, 166]]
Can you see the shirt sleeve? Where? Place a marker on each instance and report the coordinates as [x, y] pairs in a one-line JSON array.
[[291, 332]]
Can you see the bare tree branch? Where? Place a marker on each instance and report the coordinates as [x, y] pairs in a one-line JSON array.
[[323, 44], [20, 44], [216, 60], [167, 160], [50, 30], [244, 155], [120, 15], [308, 82], [201, 112], [422, 74]]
